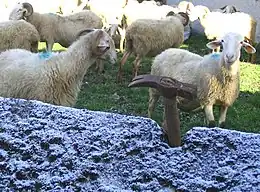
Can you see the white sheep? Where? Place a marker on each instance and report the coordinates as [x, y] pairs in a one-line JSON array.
[[54, 28], [149, 37], [18, 34], [56, 79], [216, 24], [239, 22], [145, 10], [110, 11], [216, 75]]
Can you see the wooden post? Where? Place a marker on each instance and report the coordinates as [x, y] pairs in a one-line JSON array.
[[170, 89], [172, 122]]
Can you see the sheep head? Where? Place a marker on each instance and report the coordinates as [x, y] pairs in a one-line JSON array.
[[232, 44], [21, 11], [185, 6], [200, 12], [181, 15], [100, 40], [228, 9]]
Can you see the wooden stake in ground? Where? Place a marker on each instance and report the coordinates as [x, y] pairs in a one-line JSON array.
[[169, 88]]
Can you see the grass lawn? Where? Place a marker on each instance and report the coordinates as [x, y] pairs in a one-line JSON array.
[[104, 94]]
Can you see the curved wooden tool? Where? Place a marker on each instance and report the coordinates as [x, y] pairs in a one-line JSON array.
[[169, 88]]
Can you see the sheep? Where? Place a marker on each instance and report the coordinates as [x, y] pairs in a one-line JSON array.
[[111, 11], [55, 79], [215, 75], [235, 22], [43, 6], [148, 37], [226, 9], [54, 28], [239, 22], [145, 10], [18, 34], [185, 6]]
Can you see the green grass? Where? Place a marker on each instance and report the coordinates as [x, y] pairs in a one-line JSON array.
[[104, 94]]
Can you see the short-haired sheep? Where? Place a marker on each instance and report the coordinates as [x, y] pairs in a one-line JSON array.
[[145, 10], [149, 37], [54, 28], [216, 75], [56, 79], [18, 34]]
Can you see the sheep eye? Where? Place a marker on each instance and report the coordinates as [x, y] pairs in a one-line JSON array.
[[222, 41], [241, 42]]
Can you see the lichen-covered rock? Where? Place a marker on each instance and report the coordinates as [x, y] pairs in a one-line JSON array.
[[51, 148]]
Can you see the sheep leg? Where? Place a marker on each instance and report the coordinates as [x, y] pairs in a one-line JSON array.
[[222, 117], [122, 40], [49, 45], [136, 65], [208, 109], [99, 66], [154, 96], [252, 58], [123, 60]]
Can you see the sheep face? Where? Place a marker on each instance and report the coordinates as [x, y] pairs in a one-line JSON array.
[[184, 18], [112, 55], [21, 11], [232, 43], [101, 41]]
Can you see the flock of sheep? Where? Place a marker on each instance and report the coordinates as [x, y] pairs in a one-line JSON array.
[[146, 29]]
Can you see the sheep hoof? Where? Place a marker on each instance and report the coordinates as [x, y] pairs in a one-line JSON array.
[[222, 125], [101, 71], [212, 124]]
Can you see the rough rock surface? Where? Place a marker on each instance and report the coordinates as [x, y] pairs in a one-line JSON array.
[[51, 148]]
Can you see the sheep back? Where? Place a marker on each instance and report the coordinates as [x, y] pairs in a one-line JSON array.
[[151, 37], [18, 34], [68, 30], [239, 22], [179, 64], [64, 29]]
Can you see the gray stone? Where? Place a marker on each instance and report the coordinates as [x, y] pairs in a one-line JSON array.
[[51, 148]]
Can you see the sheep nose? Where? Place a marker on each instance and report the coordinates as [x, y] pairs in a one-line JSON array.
[[230, 56], [108, 47]]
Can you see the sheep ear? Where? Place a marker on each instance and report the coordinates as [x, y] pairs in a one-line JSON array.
[[213, 44], [171, 13], [84, 32], [28, 9], [112, 29], [248, 48]]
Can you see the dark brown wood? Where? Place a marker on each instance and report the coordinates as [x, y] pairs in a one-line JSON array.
[[170, 88], [172, 122]]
